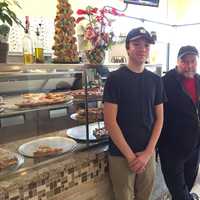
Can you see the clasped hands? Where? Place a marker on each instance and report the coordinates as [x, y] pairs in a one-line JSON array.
[[139, 162]]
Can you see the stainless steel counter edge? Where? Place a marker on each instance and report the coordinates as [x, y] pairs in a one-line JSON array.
[[17, 67], [12, 67]]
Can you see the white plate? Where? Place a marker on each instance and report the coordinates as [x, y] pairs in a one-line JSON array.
[[29, 148]]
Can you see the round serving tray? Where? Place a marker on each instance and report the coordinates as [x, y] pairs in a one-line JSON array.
[[29, 148], [79, 132], [12, 168]]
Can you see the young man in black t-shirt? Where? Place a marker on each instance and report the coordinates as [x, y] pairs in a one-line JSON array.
[[133, 115]]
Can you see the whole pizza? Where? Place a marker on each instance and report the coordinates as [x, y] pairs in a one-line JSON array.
[[41, 99]]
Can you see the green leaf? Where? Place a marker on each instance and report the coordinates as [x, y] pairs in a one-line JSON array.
[[6, 14], [3, 5], [89, 7], [8, 19]]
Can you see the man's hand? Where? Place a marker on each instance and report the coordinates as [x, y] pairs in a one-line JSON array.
[[139, 163]]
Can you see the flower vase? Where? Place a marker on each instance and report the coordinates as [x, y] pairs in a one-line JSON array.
[[95, 56]]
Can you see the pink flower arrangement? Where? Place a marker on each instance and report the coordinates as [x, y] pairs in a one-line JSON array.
[[95, 32]]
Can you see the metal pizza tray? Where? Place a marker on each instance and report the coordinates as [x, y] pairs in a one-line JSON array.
[[12, 168], [79, 132], [29, 148]]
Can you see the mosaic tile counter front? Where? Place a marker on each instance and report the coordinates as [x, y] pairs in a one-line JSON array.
[[64, 175], [74, 175], [79, 175]]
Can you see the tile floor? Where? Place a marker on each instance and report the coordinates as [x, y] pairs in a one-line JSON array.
[[160, 187], [196, 187]]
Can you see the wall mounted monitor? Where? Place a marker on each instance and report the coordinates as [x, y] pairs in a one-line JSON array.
[[154, 3]]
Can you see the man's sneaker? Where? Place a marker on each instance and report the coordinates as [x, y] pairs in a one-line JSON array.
[[195, 196]]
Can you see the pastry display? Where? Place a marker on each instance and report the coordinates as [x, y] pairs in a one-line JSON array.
[[40, 99], [100, 133], [7, 159], [94, 114], [65, 48], [46, 150], [91, 92]]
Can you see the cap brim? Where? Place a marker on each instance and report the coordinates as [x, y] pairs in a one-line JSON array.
[[150, 40], [188, 53]]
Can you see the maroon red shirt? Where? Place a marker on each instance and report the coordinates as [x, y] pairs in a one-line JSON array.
[[190, 87]]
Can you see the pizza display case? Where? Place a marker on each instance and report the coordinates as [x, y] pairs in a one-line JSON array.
[[41, 98], [28, 105], [38, 103]]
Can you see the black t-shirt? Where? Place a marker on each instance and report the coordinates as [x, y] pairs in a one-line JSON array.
[[136, 94]]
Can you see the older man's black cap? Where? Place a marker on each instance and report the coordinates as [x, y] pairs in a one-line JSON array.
[[185, 50], [139, 32]]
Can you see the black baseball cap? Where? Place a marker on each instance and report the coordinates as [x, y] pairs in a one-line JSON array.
[[139, 32], [185, 50]]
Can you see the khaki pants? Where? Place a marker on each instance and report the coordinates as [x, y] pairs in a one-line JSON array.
[[128, 185]]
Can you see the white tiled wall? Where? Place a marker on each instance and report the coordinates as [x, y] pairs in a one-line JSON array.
[[47, 33]]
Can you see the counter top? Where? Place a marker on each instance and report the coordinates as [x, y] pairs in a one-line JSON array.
[[18, 67], [32, 165]]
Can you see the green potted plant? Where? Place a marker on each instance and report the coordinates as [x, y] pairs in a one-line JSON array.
[[7, 17]]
